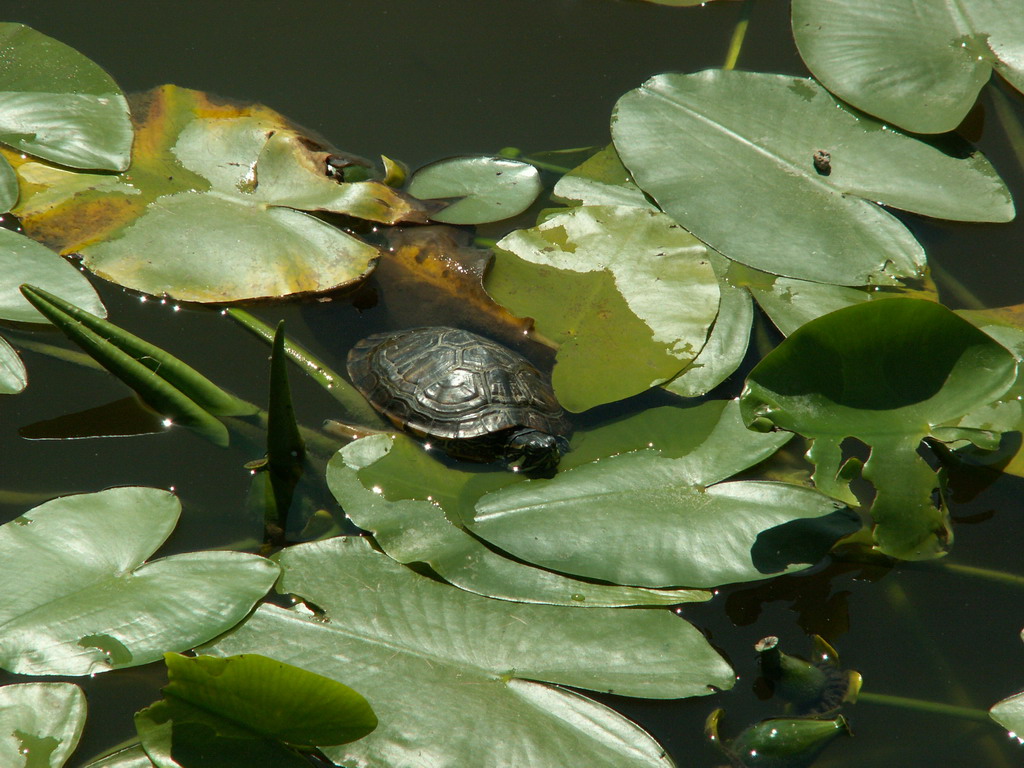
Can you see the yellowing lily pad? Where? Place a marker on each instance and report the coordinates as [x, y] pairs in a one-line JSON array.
[[212, 207]]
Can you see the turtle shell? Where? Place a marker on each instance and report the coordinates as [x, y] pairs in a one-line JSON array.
[[455, 386]]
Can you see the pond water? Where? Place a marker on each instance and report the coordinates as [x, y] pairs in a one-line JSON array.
[[421, 81]]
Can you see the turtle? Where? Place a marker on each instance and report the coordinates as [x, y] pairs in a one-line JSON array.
[[475, 398]]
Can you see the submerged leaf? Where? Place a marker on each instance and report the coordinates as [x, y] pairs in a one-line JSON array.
[[627, 294], [888, 373], [731, 156], [57, 104], [919, 65], [40, 724], [390, 631], [78, 599]]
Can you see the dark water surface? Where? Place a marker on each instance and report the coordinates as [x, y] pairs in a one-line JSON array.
[[423, 80]]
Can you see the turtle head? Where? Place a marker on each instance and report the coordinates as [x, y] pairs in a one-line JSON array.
[[533, 452]]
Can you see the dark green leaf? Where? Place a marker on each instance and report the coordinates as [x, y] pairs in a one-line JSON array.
[[168, 385], [656, 518], [271, 698], [887, 373]]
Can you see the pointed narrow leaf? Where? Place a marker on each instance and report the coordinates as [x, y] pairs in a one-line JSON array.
[[170, 386]]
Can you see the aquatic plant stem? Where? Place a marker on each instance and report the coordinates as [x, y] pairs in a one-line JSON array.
[[72, 356], [990, 574], [739, 32], [954, 286], [1009, 121], [944, 671], [921, 705]]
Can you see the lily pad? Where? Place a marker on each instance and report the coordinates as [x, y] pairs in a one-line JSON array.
[[40, 724], [601, 180], [646, 518], [486, 188], [8, 186], [919, 65], [727, 343], [13, 376], [25, 261], [79, 600], [247, 711], [58, 105], [483, 665], [390, 486], [1009, 712], [731, 156], [888, 373], [626, 293], [211, 208]]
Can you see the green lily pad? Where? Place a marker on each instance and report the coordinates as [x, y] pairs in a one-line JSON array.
[[78, 599], [626, 293], [727, 343], [918, 65], [487, 188], [731, 156], [25, 261], [666, 519], [13, 376], [601, 180], [389, 486], [888, 373], [483, 665], [40, 724], [1009, 712], [58, 105], [212, 207], [8, 186], [129, 757]]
